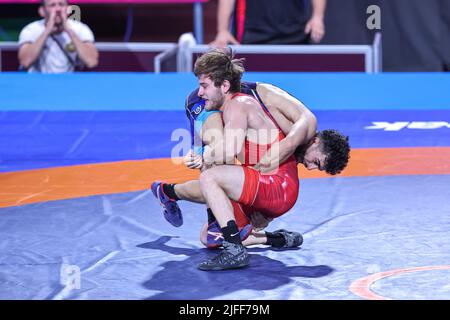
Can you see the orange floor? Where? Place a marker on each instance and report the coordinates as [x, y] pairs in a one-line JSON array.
[[25, 187]]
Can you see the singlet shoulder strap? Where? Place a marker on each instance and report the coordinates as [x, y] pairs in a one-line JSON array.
[[261, 104], [237, 94]]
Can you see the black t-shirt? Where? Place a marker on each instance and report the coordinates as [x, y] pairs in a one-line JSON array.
[[271, 21]]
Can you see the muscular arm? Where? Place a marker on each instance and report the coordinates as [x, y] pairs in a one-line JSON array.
[[211, 133], [212, 129], [214, 136], [235, 130], [304, 123], [297, 122]]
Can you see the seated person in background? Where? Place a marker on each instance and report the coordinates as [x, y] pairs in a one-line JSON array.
[[56, 44]]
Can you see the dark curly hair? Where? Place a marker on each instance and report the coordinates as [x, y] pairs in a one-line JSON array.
[[337, 150]]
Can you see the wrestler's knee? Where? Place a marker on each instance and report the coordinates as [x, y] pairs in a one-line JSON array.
[[208, 177]]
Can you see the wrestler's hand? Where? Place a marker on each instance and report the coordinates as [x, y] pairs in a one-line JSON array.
[[278, 153], [208, 155], [270, 161], [193, 160], [259, 222]]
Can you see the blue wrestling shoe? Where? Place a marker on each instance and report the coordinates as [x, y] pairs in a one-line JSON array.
[[172, 212], [214, 237]]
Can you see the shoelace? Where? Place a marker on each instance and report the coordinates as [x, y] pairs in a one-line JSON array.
[[224, 257]]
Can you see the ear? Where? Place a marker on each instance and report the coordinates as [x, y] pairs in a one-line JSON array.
[[41, 11], [226, 86], [316, 140]]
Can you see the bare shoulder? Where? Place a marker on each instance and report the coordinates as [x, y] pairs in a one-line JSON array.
[[240, 104], [267, 90], [276, 99], [246, 100]]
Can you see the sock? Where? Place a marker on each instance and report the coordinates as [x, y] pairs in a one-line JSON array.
[[169, 190], [231, 233], [211, 217], [275, 240]]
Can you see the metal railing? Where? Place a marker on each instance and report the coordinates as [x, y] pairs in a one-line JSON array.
[[187, 47], [158, 48], [372, 53]]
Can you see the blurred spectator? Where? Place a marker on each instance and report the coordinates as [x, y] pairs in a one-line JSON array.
[[269, 22], [56, 44]]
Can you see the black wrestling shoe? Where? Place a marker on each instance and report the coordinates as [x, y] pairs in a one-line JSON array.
[[293, 239], [233, 256]]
